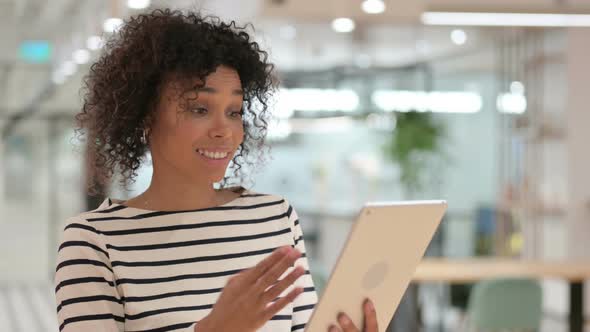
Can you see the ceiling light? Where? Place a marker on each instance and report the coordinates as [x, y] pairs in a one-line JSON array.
[[112, 24], [506, 19], [343, 24], [81, 56], [94, 43], [458, 36], [138, 4], [517, 87], [373, 6], [68, 68], [511, 103]]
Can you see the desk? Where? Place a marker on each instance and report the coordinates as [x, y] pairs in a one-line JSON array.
[[473, 270]]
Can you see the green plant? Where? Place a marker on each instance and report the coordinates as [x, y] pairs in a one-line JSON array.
[[414, 143]]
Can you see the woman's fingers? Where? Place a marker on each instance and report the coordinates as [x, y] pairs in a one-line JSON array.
[[275, 272], [333, 328], [283, 284], [239, 306], [252, 275], [370, 316], [346, 324], [279, 304]]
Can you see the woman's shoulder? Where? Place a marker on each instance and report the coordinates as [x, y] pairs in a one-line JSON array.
[[79, 226], [263, 195], [84, 217], [256, 197], [108, 205]]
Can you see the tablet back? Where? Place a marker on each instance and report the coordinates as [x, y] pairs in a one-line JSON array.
[[379, 258]]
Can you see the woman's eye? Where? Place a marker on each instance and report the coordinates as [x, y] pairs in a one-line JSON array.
[[199, 110], [236, 114]]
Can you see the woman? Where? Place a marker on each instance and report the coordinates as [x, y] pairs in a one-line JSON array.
[[182, 256]]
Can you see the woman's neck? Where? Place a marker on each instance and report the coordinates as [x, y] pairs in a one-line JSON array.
[[170, 195]]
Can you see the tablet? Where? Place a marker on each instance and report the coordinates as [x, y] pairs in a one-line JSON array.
[[382, 251]]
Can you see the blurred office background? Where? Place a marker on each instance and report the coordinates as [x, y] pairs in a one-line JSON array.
[[380, 100]]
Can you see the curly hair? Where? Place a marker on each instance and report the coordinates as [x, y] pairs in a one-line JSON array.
[[123, 86]]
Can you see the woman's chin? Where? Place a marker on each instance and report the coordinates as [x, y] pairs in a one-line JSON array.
[[216, 179]]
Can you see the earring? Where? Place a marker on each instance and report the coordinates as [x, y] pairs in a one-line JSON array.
[[143, 137]]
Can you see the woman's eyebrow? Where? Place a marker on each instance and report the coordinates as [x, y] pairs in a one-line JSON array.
[[237, 92]]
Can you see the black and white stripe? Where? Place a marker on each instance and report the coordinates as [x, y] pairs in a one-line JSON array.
[[122, 268]]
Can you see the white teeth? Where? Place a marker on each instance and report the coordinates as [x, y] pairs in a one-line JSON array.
[[213, 155]]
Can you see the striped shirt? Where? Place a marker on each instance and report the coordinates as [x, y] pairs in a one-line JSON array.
[[121, 268]]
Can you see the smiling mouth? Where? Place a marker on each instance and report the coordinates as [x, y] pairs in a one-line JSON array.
[[213, 155]]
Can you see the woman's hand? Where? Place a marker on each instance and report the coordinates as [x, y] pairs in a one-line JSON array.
[[244, 302], [346, 324]]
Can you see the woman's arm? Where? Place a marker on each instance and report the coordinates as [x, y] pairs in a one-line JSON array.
[[304, 304], [86, 295]]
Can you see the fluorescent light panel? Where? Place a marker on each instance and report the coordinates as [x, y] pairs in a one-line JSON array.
[[506, 19], [422, 101], [290, 100]]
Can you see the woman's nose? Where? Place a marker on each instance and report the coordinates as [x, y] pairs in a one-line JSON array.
[[220, 128]]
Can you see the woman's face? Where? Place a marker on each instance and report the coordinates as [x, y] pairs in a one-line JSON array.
[[195, 136]]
